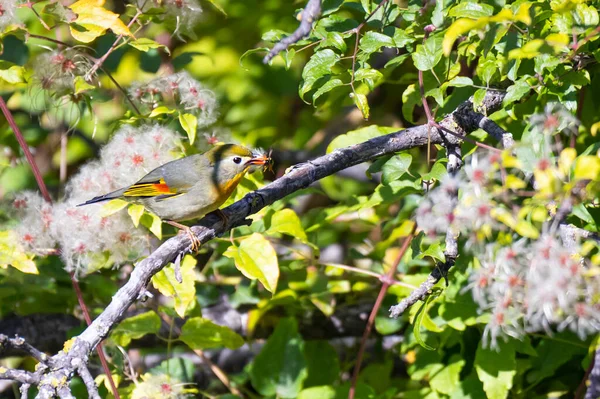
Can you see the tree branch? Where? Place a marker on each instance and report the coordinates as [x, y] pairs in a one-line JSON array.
[[19, 344], [309, 15], [593, 390], [22, 376], [301, 176]]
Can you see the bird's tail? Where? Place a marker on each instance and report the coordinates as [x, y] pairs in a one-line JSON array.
[[115, 194]]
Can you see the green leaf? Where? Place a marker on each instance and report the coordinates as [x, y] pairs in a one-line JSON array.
[[330, 85], [250, 52], [396, 61], [368, 73], [395, 167], [322, 362], [136, 327], [437, 172], [161, 110], [184, 293], [447, 379], [467, 9], [280, 367], [335, 40], [324, 392], [152, 223], [199, 333], [461, 81], [478, 98], [318, 66], [429, 54], [496, 369], [287, 222], [516, 92], [218, 7], [288, 57], [256, 259], [81, 85], [360, 100], [420, 317], [373, 41], [434, 251], [359, 136], [10, 73], [189, 123], [145, 44], [401, 38], [552, 354]]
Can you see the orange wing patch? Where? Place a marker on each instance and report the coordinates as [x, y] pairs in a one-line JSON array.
[[152, 189]]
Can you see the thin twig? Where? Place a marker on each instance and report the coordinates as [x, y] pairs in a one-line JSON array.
[[87, 379], [380, 277], [22, 376], [20, 344], [309, 15], [36, 171], [371, 321], [112, 48]]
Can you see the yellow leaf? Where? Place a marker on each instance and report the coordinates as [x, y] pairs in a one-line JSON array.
[[523, 14], [256, 259], [112, 207], [526, 229], [557, 40], [594, 129], [565, 161], [587, 167], [459, 28], [12, 254], [504, 216], [95, 20], [287, 222], [189, 123], [514, 183], [136, 211], [184, 293], [545, 181]]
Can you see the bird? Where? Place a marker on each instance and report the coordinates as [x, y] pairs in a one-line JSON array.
[[191, 187]]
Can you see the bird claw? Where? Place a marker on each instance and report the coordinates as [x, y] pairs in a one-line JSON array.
[[196, 244]]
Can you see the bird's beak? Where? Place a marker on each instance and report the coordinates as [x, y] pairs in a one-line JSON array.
[[260, 160]]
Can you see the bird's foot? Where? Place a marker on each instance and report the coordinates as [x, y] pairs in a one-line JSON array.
[[196, 244]]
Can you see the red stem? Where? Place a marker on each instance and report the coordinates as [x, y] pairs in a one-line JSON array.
[[387, 281], [44, 190]]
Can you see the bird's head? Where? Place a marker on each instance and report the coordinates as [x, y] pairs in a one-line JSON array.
[[231, 161]]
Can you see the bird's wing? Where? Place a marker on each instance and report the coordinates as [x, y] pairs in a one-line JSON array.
[[167, 181]]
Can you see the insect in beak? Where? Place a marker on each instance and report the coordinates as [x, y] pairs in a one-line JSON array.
[[262, 159]]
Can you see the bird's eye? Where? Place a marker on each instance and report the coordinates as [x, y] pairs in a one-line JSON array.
[[237, 159]]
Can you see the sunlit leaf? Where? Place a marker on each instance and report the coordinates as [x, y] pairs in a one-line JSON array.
[[184, 292], [136, 327], [256, 259], [199, 333], [189, 123], [95, 20]]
